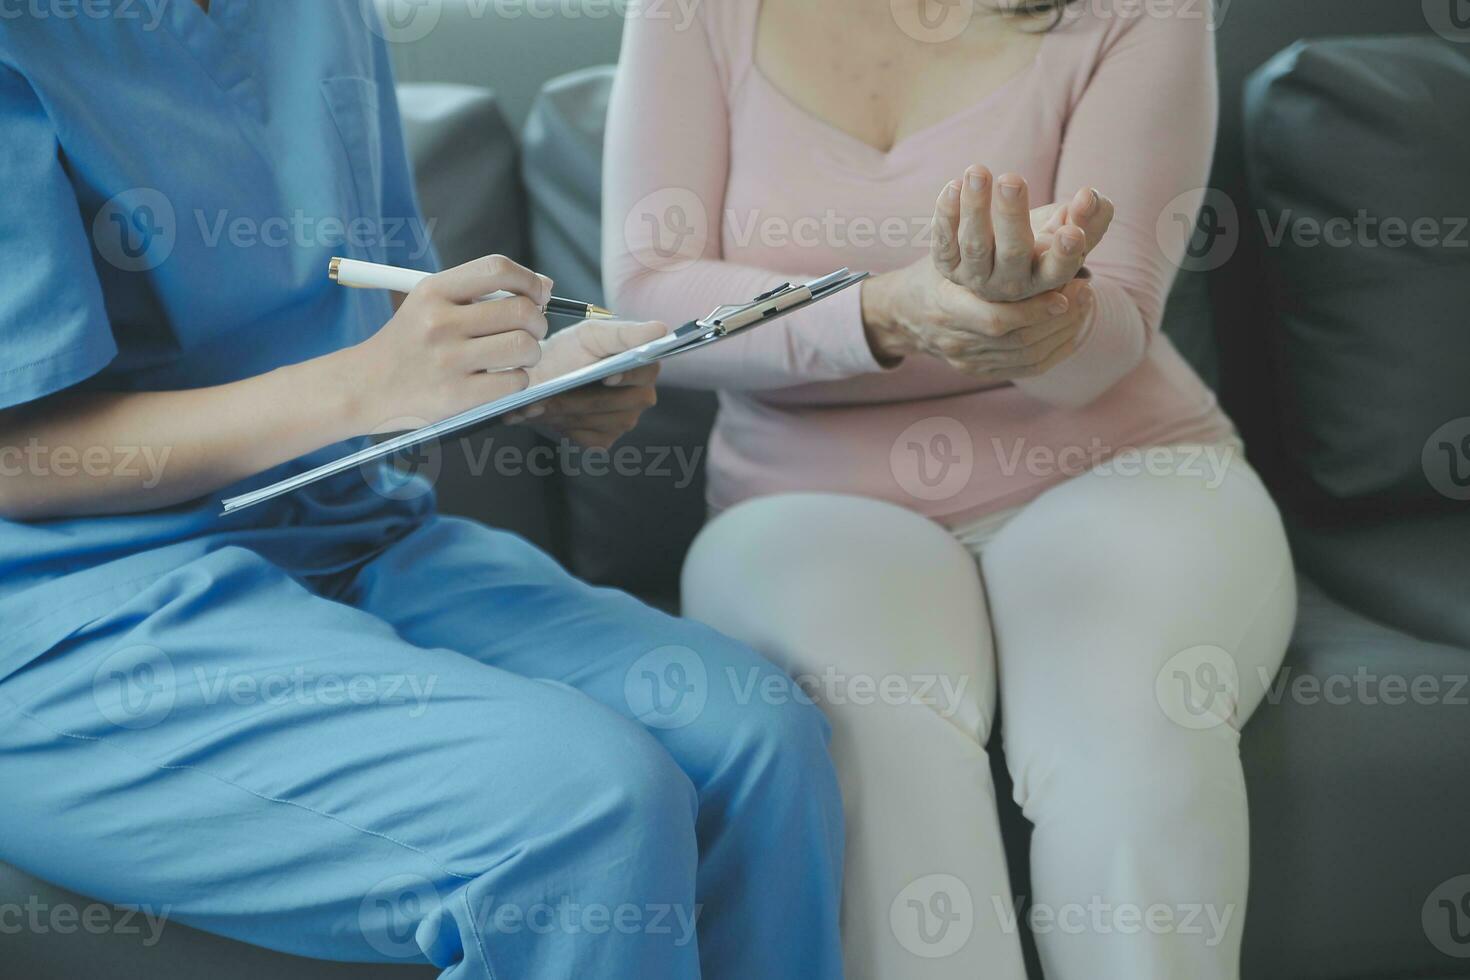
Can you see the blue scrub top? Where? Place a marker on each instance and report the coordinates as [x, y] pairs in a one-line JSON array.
[[172, 186]]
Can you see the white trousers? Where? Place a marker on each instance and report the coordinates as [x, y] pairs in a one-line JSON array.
[[1128, 624]]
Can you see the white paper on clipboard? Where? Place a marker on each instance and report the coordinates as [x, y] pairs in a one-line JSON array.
[[723, 322]]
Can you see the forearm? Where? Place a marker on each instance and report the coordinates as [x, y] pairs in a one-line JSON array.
[[824, 343], [87, 453]]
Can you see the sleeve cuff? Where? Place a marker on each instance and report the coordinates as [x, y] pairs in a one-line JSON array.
[[60, 371]]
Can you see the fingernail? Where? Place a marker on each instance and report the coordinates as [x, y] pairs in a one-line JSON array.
[[976, 182], [1070, 241], [952, 191], [1058, 306], [616, 379], [535, 411], [1010, 189]]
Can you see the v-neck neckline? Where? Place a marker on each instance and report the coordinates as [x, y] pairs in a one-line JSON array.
[[900, 146], [214, 39], [861, 146]]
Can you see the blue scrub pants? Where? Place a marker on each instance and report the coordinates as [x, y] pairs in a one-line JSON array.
[[455, 753]]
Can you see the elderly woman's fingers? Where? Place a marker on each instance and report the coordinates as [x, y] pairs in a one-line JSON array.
[[976, 235], [944, 245], [1010, 276]]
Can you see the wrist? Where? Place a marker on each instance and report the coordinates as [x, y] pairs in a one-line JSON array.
[[338, 391], [880, 327]]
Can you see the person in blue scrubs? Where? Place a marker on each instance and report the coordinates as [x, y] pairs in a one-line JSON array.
[[337, 724]]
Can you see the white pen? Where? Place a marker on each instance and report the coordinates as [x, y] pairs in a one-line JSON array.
[[371, 275]]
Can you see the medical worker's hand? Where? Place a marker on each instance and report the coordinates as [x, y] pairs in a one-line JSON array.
[[443, 352], [597, 415]]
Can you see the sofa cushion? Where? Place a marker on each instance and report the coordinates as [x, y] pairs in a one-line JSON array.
[[1411, 572], [1357, 151], [1358, 773], [631, 514], [465, 165]]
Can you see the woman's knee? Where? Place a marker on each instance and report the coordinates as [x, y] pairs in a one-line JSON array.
[[817, 574]]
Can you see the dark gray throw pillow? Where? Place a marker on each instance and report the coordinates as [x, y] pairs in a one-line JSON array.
[[631, 513], [1358, 154]]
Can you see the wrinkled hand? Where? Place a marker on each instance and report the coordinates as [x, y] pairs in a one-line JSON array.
[[987, 239], [917, 310], [595, 416]]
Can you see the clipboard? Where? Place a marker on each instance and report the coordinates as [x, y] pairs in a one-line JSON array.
[[723, 322]]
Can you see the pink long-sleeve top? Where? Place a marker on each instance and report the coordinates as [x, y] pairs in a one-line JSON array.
[[718, 186]]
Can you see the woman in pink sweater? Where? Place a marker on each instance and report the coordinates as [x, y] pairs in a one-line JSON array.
[[983, 478]]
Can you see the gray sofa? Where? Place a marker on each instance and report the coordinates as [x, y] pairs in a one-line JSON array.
[[1359, 801]]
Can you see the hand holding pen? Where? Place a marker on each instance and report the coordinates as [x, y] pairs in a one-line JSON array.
[[472, 334], [370, 275], [445, 351]]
